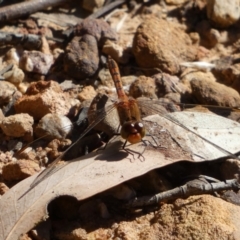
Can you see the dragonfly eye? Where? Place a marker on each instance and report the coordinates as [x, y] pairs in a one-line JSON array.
[[140, 128], [133, 132]]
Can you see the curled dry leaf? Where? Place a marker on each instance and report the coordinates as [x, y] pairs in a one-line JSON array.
[[86, 176]]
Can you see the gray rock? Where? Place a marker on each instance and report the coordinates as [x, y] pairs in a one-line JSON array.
[[81, 59], [223, 13], [54, 126]]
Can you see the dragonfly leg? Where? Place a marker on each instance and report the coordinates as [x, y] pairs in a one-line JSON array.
[[128, 150], [132, 152], [124, 145], [106, 143], [151, 144]]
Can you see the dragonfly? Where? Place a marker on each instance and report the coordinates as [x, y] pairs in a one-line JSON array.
[[132, 128]]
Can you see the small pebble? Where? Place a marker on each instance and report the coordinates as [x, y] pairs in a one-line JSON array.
[[19, 170], [17, 125], [15, 76], [35, 61], [12, 57], [54, 126]]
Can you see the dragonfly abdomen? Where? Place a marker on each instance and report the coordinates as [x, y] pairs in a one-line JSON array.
[[114, 71]]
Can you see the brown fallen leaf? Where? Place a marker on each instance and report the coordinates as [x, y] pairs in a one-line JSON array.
[[86, 176]]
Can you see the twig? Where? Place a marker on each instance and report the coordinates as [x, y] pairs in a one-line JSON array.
[[29, 41], [191, 188], [33, 41], [21, 9], [107, 8]]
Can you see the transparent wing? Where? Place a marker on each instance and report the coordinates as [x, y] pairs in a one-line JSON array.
[[148, 107], [163, 107], [54, 166]]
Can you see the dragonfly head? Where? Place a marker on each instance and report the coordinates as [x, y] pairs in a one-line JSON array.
[[133, 132]]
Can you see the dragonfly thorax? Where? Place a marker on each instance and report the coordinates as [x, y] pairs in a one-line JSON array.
[[133, 132]]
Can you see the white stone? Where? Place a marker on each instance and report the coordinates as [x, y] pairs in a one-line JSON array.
[[223, 12]]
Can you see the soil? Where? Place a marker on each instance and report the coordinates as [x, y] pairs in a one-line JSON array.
[[182, 51]]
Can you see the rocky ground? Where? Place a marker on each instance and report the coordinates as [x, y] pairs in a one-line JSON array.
[[184, 51]]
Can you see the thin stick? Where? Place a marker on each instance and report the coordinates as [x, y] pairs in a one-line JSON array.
[[107, 8], [22, 9], [189, 189]]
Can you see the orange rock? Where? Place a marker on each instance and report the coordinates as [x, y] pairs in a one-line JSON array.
[[213, 93], [17, 125], [19, 170], [162, 44], [88, 92], [143, 87], [43, 97]]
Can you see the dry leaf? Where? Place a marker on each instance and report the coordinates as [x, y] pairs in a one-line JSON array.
[[86, 176]]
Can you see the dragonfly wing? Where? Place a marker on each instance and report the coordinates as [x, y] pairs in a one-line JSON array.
[[164, 106], [161, 106], [54, 167], [110, 122], [192, 127], [212, 129]]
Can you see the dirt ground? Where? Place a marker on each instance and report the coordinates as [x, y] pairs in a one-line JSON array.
[[54, 62]]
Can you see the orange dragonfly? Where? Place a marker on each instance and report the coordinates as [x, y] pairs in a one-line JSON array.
[[132, 128]]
